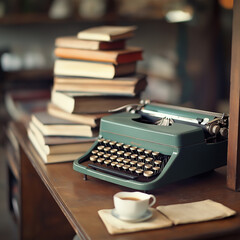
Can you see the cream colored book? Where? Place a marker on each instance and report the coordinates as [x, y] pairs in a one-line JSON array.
[[52, 158], [77, 68], [107, 33]]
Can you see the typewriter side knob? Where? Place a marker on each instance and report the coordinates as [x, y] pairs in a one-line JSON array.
[[214, 129], [224, 132]]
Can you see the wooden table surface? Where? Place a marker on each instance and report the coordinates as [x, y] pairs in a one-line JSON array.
[[80, 200]]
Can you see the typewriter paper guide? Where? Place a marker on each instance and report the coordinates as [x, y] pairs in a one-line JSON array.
[[125, 128]]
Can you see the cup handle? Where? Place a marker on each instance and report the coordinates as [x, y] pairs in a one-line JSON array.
[[153, 200]]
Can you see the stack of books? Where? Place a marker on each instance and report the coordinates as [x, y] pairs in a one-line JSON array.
[[94, 72]]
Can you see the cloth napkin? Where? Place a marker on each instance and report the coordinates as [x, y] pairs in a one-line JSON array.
[[116, 226], [167, 216], [205, 210]]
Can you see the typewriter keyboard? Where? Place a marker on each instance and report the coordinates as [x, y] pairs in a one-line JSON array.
[[126, 161]]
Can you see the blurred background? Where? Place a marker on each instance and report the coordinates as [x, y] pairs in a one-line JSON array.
[[187, 53]]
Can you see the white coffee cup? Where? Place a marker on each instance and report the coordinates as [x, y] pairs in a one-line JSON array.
[[132, 205]]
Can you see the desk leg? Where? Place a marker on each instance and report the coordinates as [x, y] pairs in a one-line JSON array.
[[41, 218], [233, 168]]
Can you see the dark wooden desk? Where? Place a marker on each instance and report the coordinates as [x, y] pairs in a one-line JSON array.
[[75, 201]]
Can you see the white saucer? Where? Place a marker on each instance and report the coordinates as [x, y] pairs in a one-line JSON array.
[[146, 216]]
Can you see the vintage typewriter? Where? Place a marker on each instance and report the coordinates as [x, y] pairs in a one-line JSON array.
[[150, 145]]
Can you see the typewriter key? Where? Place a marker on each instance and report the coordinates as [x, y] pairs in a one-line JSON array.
[[100, 153], [155, 154], [133, 163], [148, 152], [148, 160], [157, 162], [107, 162], [100, 140], [119, 165], [112, 143], [127, 154], [106, 141], [126, 160], [113, 157], [156, 169], [140, 164], [119, 145], [107, 155], [141, 157], [134, 156], [94, 151], [148, 173], [126, 167], [101, 160], [140, 150], [148, 166], [120, 159], [106, 149], [119, 153], [132, 169], [93, 158], [126, 147], [113, 164], [100, 148], [139, 171], [133, 149], [114, 150]]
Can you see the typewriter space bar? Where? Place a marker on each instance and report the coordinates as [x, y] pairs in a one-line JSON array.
[[112, 171]]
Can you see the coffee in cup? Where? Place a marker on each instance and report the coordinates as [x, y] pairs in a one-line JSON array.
[[132, 205]]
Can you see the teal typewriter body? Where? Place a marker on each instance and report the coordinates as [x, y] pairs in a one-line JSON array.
[[154, 145]]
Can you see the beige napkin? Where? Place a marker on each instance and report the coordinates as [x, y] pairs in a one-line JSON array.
[[116, 226], [205, 210]]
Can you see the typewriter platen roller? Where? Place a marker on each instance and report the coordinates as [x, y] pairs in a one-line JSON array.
[[151, 145]]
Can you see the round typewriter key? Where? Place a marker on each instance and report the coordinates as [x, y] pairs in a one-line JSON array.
[[126, 160], [148, 173], [148, 152], [148, 160], [93, 158], [140, 164], [139, 171], [112, 143], [100, 153], [114, 150], [107, 162], [148, 166], [106, 149], [141, 157], [133, 149], [120, 159], [126, 167], [157, 162], [100, 148], [113, 164], [126, 147], [94, 151], [133, 163], [113, 157], [107, 155], [155, 154], [134, 156], [140, 150], [127, 154], [119, 153], [156, 169], [119, 165], [100, 140], [132, 169], [106, 141], [119, 145], [101, 160]]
